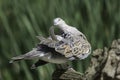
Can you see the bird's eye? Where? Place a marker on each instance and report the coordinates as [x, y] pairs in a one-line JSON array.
[[58, 19]]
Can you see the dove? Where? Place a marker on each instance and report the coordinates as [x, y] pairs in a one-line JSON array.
[[70, 45]]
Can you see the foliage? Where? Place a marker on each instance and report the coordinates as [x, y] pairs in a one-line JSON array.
[[22, 20]]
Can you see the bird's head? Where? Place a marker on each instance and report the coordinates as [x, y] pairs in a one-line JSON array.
[[58, 21]]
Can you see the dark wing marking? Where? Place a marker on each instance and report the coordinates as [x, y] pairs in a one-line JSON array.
[[38, 63]]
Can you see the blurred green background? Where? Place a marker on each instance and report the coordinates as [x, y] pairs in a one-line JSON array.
[[22, 20]]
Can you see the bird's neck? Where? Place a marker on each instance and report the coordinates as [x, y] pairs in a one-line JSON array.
[[63, 26]]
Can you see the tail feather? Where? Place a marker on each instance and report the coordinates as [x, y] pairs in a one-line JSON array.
[[30, 55], [17, 58]]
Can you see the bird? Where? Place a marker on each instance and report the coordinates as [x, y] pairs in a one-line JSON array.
[[70, 45]]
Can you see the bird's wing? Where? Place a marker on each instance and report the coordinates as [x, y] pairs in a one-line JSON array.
[[78, 48], [49, 41], [60, 46]]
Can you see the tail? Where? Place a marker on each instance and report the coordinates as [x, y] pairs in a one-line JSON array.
[[30, 55], [17, 58]]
